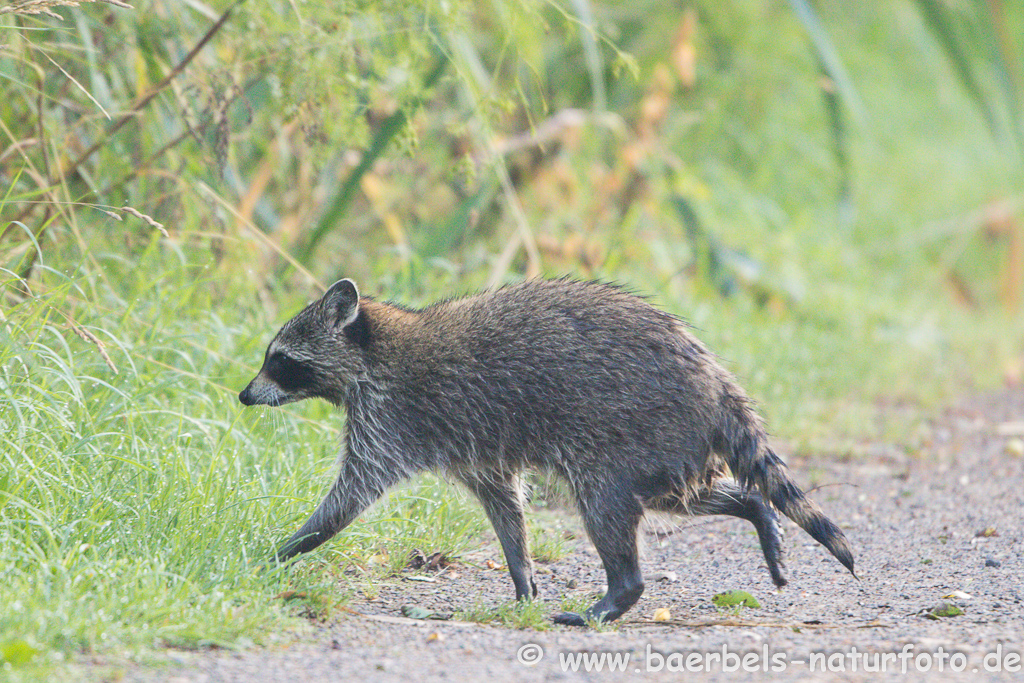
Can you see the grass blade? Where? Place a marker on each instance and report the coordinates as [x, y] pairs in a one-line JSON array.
[[1007, 67], [829, 58], [591, 53], [942, 28]]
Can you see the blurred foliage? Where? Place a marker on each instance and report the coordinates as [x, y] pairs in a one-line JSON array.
[[410, 143], [985, 46], [984, 42]]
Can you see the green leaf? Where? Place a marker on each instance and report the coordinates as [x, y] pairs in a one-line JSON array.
[[944, 609], [17, 652], [416, 612], [735, 599]]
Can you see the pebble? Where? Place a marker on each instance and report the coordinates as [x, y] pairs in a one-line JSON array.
[[992, 562]]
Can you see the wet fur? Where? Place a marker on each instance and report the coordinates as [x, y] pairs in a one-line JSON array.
[[582, 379]]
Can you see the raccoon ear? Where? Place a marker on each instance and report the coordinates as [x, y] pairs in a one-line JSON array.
[[341, 303]]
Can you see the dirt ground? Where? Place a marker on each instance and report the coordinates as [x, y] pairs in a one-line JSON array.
[[942, 519]]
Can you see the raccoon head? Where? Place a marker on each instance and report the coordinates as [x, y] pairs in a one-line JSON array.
[[318, 353]]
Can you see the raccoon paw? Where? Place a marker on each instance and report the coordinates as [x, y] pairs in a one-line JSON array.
[[570, 619]]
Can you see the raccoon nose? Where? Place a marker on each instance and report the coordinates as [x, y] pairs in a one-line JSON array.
[[245, 396]]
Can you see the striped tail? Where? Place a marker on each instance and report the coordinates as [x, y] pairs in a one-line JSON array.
[[755, 465]]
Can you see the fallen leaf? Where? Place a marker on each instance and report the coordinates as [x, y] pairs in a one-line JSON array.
[[987, 532], [438, 561], [416, 559], [416, 612], [943, 609], [958, 595], [735, 599], [662, 614], [291, 595]]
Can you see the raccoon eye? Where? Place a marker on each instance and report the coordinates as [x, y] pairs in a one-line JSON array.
[[290, 374]]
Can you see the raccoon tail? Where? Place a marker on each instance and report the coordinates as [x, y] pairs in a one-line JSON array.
[[755, 465]]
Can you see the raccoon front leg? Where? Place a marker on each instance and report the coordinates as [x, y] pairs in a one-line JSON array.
[[728, 498], [501, 495], [360, 483], [611, 515]]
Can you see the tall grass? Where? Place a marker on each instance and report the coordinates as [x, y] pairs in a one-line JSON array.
[[139, 501]]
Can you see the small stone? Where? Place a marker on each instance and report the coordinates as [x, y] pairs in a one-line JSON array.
[[669, 576], [992, 562], [1015, 448], [572, 583]]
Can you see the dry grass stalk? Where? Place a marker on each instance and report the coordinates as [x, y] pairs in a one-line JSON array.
[[93, 339], [148, 219], [47, 6]]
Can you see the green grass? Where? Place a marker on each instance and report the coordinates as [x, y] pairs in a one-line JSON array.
[[138, 505], [534, 615], [546, 544]]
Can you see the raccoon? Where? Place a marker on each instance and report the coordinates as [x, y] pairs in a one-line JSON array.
[[578, 378]]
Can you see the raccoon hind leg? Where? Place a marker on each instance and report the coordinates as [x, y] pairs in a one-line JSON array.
[[611, 515], [725, 497]]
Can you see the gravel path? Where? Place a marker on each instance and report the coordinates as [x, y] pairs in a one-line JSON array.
[[926, 522]]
